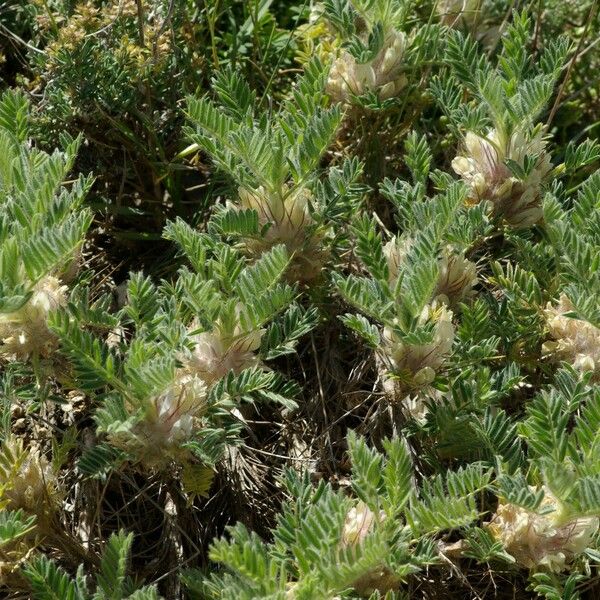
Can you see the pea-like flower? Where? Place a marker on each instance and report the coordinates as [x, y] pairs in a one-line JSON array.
[[418, 363], [542, 540], [574, 340], [166, 421], [286, 219], [383, 75], [360, 522], [29, 481], [484, 167], [456, 278], [218, 351], [25, 332]]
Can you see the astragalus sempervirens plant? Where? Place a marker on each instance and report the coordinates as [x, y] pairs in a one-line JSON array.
[[328, 544], [415, 280], [273, 158], [505, 160], [177, 360], [27, 490], [42, 229]]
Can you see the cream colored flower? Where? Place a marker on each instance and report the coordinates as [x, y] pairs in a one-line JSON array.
[[382, 75], [29, 482], [419, 363], [396, 252], [542, 541], [359, 522], [168, 420], [287, 221], [25, 331], [483, 168], [456, 277], [575, 341], [217, 352]]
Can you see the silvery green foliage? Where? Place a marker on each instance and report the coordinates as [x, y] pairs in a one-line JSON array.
[[327, 544], [42, 228], [273, 161], [49, 581], [466, 284], [505, 161], [175, 361], [414, 280]]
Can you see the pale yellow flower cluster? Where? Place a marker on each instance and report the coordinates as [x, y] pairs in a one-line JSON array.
[[288, 221], [88, 20], [542, 541], [382, 75], [216, 353], [420, 362], [25, 332], [456, 278], [29, 483], [414, 366], [483, 167], [171, 417], [574, 340]]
